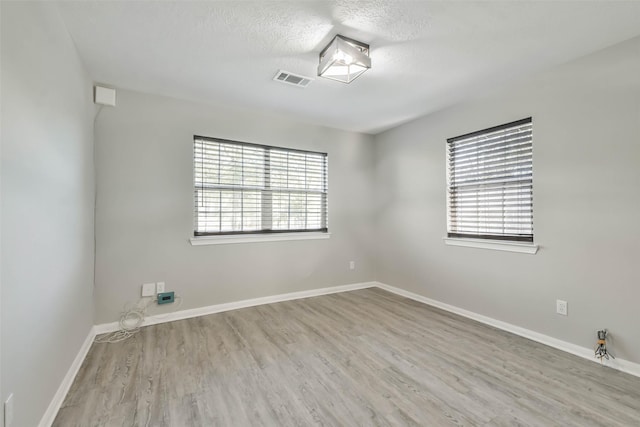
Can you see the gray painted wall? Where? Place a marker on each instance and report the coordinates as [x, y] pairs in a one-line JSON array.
[[586, 118], [47, 206], [586, 157], [144, 211]]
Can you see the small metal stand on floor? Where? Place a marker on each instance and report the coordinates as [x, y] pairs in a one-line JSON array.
[[601, 347]]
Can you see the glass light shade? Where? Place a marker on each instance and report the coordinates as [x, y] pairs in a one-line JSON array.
[[344, 59]]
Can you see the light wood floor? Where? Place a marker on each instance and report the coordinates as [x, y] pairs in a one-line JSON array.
[[365, 357]]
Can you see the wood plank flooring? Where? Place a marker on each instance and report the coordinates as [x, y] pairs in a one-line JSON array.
[[361, 358]]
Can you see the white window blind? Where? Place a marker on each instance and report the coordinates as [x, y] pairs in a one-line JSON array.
[[248, 188], [491, 183]]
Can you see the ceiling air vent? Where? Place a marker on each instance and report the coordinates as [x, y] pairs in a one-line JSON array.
[[292, 79]]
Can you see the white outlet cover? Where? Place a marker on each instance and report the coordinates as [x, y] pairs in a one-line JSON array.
[[352, 265], [562, 307], [148, 289], [159, 287]]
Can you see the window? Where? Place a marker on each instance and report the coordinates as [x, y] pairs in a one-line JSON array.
[[491, 183], [243, 188]]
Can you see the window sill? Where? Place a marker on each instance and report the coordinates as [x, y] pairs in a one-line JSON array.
[[255, 238], [523, 248]]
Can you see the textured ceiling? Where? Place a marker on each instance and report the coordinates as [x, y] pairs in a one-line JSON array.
[[425, 55]]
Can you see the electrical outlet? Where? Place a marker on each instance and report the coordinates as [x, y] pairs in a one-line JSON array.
[[159, 287], [352, 265], [8, 411], [562, 307], [148, 289]]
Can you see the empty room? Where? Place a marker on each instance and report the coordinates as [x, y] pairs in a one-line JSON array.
[[333, 213]]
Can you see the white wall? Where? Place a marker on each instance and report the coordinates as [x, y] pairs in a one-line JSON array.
[[586, 124], [144, 211], [47, 206]]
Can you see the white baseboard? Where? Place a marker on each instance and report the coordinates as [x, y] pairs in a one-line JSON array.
[[584, 352], [218, 308], [51, 412]]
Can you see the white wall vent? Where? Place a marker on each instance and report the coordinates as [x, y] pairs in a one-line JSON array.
[[292, 79]]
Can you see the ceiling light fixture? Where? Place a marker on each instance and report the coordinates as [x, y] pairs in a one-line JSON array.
[[344, 59]]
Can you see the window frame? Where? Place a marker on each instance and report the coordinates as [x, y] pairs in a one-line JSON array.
[[205, 237], [506, 242]]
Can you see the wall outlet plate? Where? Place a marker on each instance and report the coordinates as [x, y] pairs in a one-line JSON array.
[[562, 307], [166, 297], [160, 287], [148, 289]]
